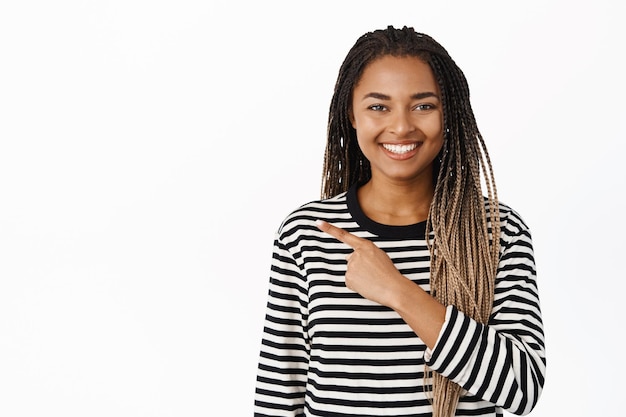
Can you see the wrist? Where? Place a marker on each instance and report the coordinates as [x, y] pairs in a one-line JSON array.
[[404, 294]]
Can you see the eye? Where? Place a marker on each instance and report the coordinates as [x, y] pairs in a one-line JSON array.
[[425, 107], [377, 107]]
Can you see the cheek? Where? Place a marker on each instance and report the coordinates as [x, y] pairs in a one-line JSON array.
[[439, 145], [435, 125], [362, 140], [434, 130], [366, 140], [366, 128]]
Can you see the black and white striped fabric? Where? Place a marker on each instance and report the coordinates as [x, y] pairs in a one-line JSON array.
[[327, 351]]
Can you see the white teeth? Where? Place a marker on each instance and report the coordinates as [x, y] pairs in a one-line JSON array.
[[399, 149]]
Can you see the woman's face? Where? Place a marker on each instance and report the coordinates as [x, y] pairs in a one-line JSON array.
[[398, 117]]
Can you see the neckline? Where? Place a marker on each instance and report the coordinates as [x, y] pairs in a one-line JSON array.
[[412, 231]]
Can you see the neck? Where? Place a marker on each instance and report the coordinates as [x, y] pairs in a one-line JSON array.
[[396, 204]]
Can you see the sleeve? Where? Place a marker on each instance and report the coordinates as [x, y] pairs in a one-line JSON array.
[[284, 356], [502, 362]]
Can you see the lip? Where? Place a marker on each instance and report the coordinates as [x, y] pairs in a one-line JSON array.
[[401, 156]]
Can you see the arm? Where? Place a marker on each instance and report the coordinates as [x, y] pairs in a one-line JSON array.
[[372, 274], [284, 356], [502, 362]]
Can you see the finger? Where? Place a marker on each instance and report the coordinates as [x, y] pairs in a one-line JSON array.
[[339, 234]]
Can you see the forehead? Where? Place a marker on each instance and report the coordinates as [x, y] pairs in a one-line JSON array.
[[389, 72]]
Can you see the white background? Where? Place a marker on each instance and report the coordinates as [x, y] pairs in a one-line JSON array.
[[150, 149]]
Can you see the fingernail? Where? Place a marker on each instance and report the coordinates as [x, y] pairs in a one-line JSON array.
[[319, 223]]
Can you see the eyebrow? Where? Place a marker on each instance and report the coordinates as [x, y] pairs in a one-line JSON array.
[[416, 96]]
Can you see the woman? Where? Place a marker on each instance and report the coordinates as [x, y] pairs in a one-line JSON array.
[[389, 295]]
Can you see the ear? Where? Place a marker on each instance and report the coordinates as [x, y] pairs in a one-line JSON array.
[[351, 118]]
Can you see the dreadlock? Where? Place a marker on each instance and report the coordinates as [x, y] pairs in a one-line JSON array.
[[464, 258]]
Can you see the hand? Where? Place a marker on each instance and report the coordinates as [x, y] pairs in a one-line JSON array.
[[370, 272]]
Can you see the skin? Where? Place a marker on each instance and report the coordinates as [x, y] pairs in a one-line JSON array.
[[395, 102]]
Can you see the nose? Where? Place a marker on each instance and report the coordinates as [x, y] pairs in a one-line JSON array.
[[401, 123]]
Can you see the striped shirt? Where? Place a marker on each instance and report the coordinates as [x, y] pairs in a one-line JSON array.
[[327, 351]]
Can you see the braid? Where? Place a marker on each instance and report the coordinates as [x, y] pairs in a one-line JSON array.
[[464, 244]]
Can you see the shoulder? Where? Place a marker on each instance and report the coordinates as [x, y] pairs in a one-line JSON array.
[[305, 215], [513, 228], [511, 220]]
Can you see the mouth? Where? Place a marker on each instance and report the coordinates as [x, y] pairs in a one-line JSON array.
[[400, 149]]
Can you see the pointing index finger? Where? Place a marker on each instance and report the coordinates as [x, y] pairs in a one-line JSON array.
[[339, 234]]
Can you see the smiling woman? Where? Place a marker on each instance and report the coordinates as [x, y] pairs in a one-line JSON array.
[[405, 290], [398, 119]]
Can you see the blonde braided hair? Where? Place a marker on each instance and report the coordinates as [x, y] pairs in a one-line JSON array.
[[464, 257]]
